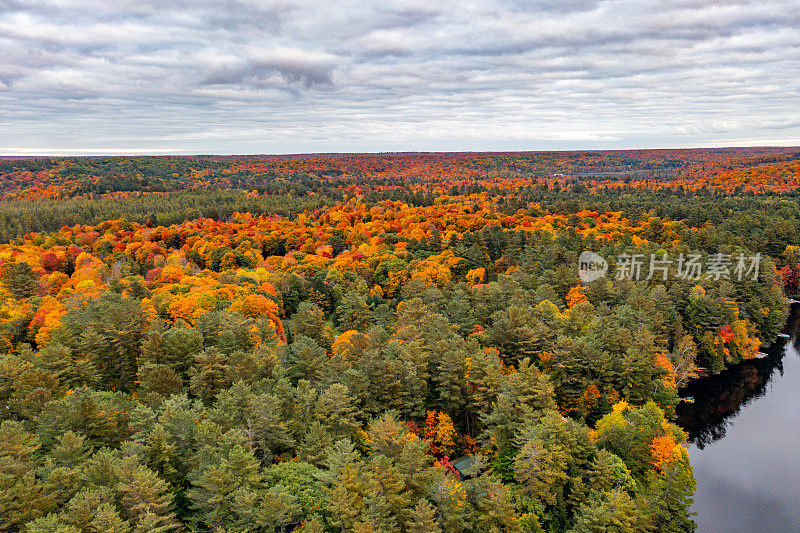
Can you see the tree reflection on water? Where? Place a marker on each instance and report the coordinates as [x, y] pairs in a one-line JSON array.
[[719, 398]]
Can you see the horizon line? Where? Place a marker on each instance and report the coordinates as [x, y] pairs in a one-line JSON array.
[[155, 152]]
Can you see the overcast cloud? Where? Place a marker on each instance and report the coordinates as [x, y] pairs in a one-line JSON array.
[[242, 76]]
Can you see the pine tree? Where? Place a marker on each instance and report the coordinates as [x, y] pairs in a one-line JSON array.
[[315, 443], [22, 498], [422, 519], [209, 375], [51, 523], [667, 498], [71, 450], [353, 311], [513, 334], [180, 345], [337, 410], [264, 427], [386, 495], [150, 522], [21, 281], [157, 382], [277, 509], [215, 487], [108, 330], [160, 454], [345, 496], [142, 492], [84, 506], [108, 520], [305, 359], [615, 513], [309, 321]]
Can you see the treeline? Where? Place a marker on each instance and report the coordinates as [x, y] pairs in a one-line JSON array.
[[21, 217], [766, 222], [731, 170]]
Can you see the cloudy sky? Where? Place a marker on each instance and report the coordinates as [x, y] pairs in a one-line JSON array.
[[248, 76]]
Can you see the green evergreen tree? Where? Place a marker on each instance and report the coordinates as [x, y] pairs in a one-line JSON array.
[[20, 280]]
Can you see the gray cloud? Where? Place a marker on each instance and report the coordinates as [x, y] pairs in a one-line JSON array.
[[250, 76], [294, 65]]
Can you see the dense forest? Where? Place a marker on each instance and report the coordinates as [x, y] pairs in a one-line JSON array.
[[388, 342]]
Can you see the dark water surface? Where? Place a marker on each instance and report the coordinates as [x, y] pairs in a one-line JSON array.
[[744, 443]]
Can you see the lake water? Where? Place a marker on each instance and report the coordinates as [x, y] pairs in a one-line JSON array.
[[744, 443]]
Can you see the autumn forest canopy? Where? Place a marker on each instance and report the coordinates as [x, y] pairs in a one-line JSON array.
[[378, 342]]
